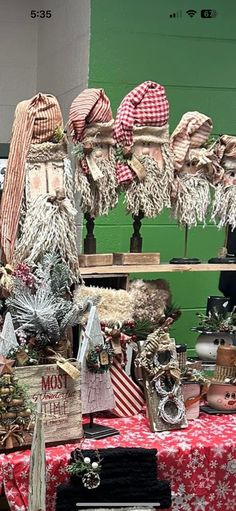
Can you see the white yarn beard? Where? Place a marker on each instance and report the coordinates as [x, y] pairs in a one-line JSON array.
[[224, 206], [192, 200], [98, 197], [151, 194], [49, 228]]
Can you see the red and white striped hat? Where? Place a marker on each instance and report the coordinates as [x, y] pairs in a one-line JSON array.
[[146, 105], [192, 131], [90, 107]]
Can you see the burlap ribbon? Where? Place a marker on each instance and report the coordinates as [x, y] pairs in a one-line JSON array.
[[13, 432]]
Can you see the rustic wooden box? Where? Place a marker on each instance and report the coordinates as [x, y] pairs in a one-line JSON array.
[[61, 400], [87, 260], [130, 258]]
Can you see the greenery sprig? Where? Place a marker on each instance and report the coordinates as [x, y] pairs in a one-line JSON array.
[[216, 322], [78, 151], [94, 358], [119, 155]]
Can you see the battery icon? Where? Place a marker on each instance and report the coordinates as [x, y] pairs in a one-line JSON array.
[[208, 13]]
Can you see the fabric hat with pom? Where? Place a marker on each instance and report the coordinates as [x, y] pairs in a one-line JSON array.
[[192, 132], [142, 116], [90, 118], [35, 122]]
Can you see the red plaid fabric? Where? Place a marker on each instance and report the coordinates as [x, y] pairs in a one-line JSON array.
[[146, 105], [129, 397], [90, 106], [123, 173]]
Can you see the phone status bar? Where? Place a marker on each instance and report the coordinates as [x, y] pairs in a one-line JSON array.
[[191, 13]]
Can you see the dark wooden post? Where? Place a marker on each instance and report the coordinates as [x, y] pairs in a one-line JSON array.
[[136, 239], [90, 240]]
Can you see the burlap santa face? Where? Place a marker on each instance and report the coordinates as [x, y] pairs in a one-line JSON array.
[[224, 204], [144, 166], [90, 124], [193, 166], [36, 129]]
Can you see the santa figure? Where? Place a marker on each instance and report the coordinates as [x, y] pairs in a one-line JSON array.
[[91, 124], [144, 166], [194, 167], [224, 203]]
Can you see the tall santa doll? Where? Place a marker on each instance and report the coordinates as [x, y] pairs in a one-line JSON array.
[[91, 124], [144, 166]]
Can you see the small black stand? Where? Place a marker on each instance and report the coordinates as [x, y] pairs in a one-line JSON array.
[[95, 431], [90, 240], [229, 259], [185, 260], [225, 259], [213, 411], [136, 239]]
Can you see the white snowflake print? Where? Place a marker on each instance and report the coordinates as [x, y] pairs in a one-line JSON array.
[[231, 466], [187, 474], [180, 501], [222, 489], [200, 504], [213, 464], [229, 505], [219, 451]]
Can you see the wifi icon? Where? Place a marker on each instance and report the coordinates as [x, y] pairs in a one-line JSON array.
[[191, 13]]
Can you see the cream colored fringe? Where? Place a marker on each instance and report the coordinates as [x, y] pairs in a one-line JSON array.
[[224, 206], [98, 197], [115, 305], [192, 200], [153, 193], [49, 227]]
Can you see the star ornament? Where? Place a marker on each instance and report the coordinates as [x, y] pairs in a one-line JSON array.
[[6, 365]]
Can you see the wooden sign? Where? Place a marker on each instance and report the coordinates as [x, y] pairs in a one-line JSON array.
[[59, 395]]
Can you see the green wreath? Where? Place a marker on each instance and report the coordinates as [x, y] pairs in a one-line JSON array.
[[99, 358]]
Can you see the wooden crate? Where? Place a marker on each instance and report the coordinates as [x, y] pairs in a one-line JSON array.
[[87, 260], [132, 258], [60, 397]]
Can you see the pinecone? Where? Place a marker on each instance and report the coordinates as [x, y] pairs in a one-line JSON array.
[[41, 340]]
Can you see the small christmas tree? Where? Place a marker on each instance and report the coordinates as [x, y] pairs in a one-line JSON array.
[[15, 411]]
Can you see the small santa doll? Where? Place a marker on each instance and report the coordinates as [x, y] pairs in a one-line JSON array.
[[191, 187], [91, 124], [144, 165], [224, 203]]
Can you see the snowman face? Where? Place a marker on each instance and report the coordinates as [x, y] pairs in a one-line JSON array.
[[208, 344], [149, 149], [222, 397], [227, 400]]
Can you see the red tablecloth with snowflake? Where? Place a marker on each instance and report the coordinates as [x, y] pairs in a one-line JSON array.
[[200, 462]]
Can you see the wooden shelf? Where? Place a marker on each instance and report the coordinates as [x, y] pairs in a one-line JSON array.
[[157, 268]]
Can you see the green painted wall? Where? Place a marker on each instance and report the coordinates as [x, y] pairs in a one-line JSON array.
[[136, 40]]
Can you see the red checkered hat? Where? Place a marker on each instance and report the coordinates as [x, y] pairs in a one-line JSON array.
[[146, 105]]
